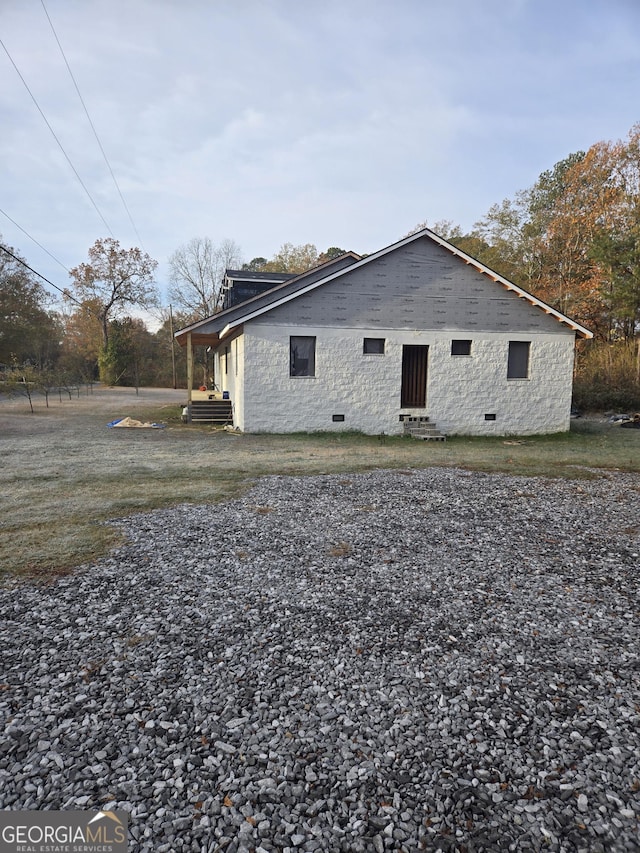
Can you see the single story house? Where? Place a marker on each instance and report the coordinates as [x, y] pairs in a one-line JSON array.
[[418, 329]]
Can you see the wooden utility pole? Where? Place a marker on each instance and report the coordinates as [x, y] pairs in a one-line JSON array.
[[173, 343]]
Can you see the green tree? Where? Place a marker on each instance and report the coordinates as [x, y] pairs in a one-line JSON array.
[[330, 254], [499, 241], [28, 331], [618, 254], [255, 264], [129, 356], [565, 207], [293, 259], [615, 245], [20, 381], [82, 340]]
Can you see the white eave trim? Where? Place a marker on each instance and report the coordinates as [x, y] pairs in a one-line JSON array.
[[274, 281], [509, 285]]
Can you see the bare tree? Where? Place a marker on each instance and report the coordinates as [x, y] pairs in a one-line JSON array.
[[444, 228], [115, 279], [197, 270]]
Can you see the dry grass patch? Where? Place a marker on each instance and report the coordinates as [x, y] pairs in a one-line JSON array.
[[64, 473], [340, 549]]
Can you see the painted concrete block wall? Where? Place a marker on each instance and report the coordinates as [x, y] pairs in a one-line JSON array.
[[236, 380], [461, 390], [230, 371], [362, 388]]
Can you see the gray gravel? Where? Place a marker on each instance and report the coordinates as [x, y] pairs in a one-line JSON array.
[[434, 660]]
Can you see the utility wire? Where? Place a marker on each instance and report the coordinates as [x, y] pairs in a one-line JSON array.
[[75, 172], [95, 132], [4, 213], [64, 292]]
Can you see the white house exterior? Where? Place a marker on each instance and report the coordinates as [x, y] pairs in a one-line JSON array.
[[416, 329]]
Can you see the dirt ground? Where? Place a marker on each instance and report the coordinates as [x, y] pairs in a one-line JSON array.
[[71, 438], [97, 400], [74, 432]]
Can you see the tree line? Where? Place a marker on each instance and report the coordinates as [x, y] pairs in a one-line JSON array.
[[96, 334], [572, 239]]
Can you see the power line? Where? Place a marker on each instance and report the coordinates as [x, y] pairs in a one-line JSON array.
[[75, 172], [95, 132], [64, 292], [34, 240]]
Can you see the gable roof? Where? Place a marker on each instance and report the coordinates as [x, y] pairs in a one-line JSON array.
[[207, 331], [225, 322]]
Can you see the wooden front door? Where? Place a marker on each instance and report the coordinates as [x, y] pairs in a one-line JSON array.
[[414, 377]]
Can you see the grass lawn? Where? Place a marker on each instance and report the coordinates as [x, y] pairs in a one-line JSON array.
[[64, 472]]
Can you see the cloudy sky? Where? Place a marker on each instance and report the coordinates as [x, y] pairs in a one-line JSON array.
[[333, 122]]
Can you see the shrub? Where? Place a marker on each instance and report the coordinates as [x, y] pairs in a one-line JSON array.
[[607, 376]]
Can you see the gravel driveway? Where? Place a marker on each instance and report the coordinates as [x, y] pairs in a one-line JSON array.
[[434, 660]]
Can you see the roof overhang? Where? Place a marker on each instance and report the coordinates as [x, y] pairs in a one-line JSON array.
[[206, 331], [198, 339]]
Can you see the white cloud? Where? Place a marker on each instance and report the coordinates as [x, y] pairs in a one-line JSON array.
[[269, 121]]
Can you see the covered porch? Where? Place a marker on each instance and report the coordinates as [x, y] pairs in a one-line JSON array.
[[206, 402], [208, 407]]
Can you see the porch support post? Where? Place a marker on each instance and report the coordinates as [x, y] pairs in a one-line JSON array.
[[189, 374]]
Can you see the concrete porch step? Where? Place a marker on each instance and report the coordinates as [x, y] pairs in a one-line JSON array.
[[421, 428], [212, 411], [430, 436]]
